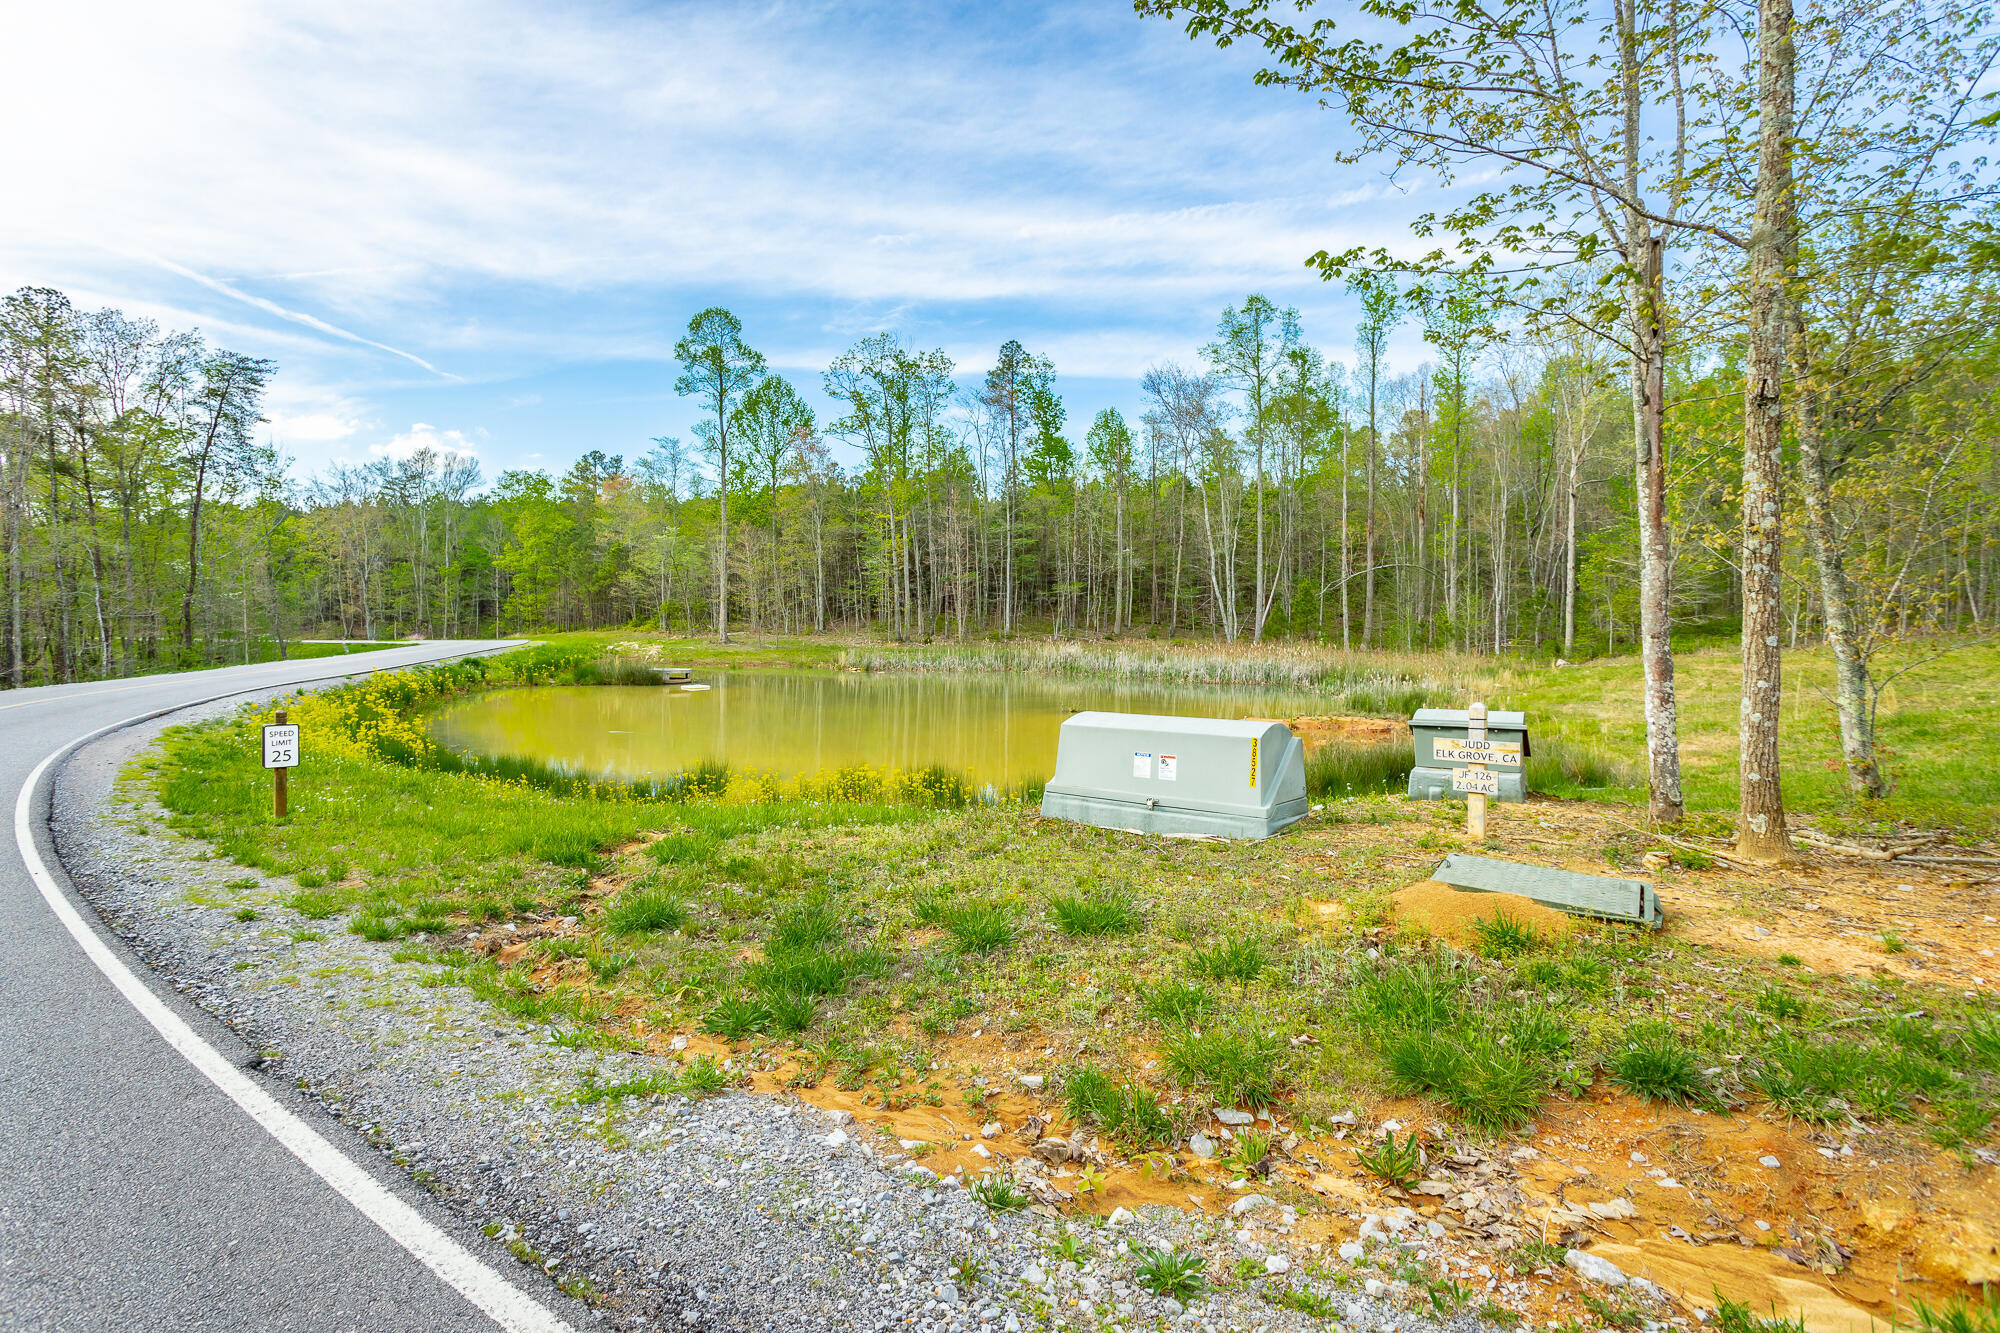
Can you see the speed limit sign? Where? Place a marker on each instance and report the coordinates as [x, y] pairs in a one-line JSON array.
[[281, 746]]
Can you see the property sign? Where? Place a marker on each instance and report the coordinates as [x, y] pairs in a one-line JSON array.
[[1507, 754], [281, 746], [1483, 782]]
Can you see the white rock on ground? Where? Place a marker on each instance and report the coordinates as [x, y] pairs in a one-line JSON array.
[[1595, 1268]]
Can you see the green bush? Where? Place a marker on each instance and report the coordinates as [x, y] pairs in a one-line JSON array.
[[1655, 1064], [1176, 1003], [1239, 959], [640, 911], [1356, 770], [978, 927], [1504, 935], [1095, 914], [1238, 1068]]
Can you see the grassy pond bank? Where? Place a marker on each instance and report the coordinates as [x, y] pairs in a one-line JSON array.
[[904, 937]]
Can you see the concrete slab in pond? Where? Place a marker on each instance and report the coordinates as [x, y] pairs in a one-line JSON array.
[[1617, 899], [1177, 775]]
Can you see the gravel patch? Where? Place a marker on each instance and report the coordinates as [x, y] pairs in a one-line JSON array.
[[739, 1211]]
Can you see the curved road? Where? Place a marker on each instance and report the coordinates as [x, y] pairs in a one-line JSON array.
[[148, 1178]]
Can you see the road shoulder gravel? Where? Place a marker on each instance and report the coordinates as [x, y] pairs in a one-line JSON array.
[[739, 1211]]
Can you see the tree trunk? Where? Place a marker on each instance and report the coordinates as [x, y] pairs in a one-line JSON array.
[[1850, 667], [1760, 833]]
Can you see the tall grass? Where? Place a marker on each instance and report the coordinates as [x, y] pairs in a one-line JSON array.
[[1388, 684], [1358, 770]]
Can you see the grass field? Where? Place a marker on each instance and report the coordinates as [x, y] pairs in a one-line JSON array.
[[1927, 716], [865, 939]]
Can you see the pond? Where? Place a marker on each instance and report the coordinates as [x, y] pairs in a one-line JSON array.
[[992, 728]]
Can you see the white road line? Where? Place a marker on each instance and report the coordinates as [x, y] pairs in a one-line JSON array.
[[473, 1279]]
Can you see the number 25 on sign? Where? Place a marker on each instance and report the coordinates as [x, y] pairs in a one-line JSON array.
[[281, 752]]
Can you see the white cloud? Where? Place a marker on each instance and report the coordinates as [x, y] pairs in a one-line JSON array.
[[370, 154], [422, 436], [311, 427]]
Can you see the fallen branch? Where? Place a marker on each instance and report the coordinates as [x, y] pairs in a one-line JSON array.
[[1724, 857], [1894, 849]]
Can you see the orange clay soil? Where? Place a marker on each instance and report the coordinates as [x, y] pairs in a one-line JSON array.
[[1318, 731], [1859, 1223], [1449, 913]]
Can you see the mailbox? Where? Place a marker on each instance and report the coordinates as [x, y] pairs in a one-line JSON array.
[[1177, 775], [1439, 735]]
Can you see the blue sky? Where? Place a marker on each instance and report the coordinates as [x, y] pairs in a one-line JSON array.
[[484, 226]]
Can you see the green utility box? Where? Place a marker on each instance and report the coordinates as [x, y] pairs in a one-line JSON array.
[[1439, 735], [1184, 776]]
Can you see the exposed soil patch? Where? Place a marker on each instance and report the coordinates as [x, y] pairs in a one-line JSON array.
[[1452, 913]]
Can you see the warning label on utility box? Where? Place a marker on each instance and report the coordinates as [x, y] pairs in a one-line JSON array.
[[1480, 780], [1169, 768]]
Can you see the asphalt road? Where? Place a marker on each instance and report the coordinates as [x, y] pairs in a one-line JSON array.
[[138, 1192]]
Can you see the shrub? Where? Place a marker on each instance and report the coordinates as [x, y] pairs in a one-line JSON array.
[[1353, 770], [688, 847], [979, 927], [639, 911], [1095, 914], [1396, 1163], [317, 906], [1504, 935], [1240, 1068], [736, 1017], [1088, 1095], [1176, 1003], [1780, 1004], [999, 1193], [1655, 1064], [1176, 1274], [1238, 959]]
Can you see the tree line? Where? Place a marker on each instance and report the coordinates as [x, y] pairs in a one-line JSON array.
[[1716, 352]]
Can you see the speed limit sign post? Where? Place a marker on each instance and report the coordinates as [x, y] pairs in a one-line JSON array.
[[281, 751]]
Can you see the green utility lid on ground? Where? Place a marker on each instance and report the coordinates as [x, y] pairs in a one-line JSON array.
[[1631, 900]]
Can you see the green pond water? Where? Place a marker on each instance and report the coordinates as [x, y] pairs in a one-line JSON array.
[[994, 729]]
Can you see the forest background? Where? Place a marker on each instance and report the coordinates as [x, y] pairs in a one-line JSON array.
[[1695, 206]]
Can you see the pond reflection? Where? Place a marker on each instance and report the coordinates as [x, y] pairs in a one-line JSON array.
[[992, 728]]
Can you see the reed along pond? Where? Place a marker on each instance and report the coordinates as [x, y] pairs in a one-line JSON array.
[[991, 728]]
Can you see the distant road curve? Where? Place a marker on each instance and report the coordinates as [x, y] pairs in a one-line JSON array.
[[147, 1179]]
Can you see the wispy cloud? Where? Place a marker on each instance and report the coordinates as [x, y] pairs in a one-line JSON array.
[[530, 192], [294, 316]]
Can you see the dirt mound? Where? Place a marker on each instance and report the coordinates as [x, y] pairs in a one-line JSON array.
[[1342, 730], [1449, 912]]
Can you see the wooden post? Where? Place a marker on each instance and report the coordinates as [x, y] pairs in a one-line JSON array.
[[278, 777], [1475, 802]]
